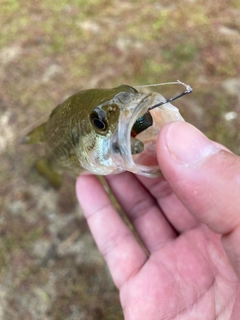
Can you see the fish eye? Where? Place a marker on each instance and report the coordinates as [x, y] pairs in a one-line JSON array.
[[98, 120], [99, 124], [142, 123]]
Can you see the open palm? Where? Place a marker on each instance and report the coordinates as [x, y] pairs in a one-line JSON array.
[[181, 269]]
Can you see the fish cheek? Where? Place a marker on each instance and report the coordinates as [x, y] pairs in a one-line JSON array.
[[79, 130], [75, 137], [83, 140]]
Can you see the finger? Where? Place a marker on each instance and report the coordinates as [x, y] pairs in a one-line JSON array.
[[123, 254], [142, 209], [206, 179], [174, 210]]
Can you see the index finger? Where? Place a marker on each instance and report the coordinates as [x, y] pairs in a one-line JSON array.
[[123, 254]]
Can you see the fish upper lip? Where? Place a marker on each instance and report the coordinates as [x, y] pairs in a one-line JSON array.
[[148, 100]]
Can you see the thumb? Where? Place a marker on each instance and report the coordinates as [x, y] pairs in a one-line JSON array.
[[206, 179]]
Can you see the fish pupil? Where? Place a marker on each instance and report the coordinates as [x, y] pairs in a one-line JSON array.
[[99, 124]]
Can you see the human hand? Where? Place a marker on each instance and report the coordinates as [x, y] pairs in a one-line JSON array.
[[189, 224]]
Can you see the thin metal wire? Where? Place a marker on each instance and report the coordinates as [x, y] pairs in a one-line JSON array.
[[187, 91]]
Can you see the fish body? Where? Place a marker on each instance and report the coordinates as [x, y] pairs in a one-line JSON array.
[[97, 130]]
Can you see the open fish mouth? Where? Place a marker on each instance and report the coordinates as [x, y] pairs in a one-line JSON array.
[[138, 132]]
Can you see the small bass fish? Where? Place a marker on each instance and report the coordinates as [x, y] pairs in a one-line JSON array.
[[104, 131]]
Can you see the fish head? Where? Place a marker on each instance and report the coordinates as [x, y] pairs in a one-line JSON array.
[[121, 132]]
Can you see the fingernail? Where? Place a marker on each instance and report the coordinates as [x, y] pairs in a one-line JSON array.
[[187, 144]]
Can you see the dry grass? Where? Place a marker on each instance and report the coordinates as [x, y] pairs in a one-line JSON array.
[[50, 267]]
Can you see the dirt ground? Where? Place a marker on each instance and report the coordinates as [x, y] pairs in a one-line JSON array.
[[50, 267]]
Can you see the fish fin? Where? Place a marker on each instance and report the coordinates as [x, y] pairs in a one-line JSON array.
[[37, 135], [44, 168]]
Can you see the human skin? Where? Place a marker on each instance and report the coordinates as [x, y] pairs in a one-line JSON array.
[[188, 222]]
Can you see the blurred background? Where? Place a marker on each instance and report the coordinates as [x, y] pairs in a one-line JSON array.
[[49, 265]]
